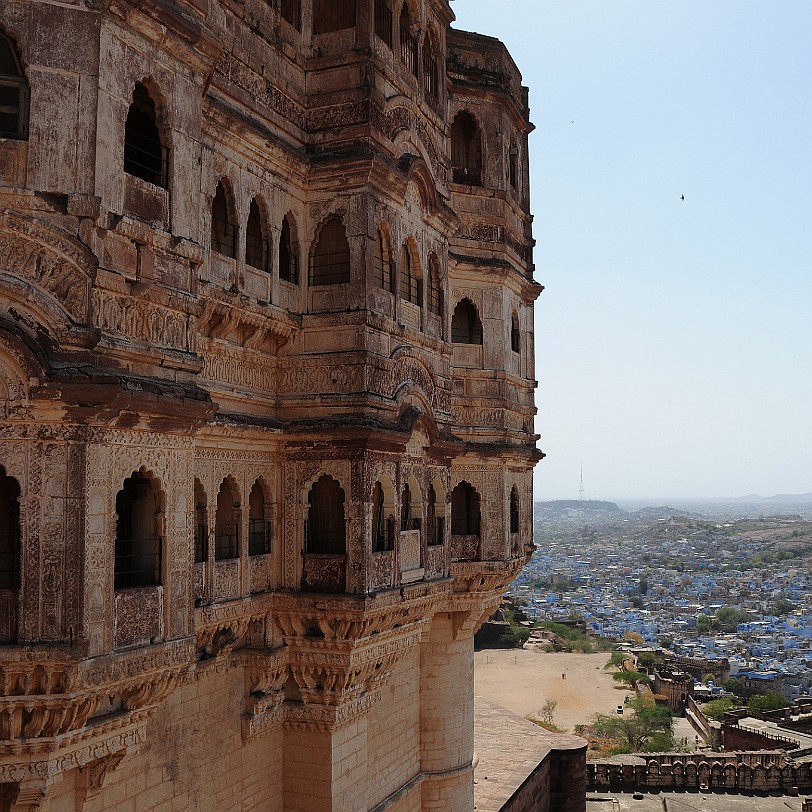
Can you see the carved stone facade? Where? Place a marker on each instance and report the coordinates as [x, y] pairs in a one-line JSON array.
[[266, 400]]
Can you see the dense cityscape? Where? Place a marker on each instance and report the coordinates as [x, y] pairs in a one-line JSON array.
[[725, 581]]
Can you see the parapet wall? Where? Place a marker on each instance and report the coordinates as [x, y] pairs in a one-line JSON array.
[[762, 771]]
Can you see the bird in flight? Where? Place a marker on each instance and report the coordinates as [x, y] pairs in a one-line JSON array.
[[682, 198]]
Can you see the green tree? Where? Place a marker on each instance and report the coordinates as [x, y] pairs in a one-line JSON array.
[[631, 678], [546, 712], [783, 607], [648, 659], [728, 617], [704, 624], [765, 702], [736, 685], [717, 708], [616, 660], [645, 728]]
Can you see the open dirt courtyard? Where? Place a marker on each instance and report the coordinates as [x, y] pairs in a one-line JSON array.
[[522, 680]]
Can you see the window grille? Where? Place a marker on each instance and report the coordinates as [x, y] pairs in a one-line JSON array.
[[145, 156], [288, 259], [408, 42], [431, 73], [514, 510], [435, 294], [333, 15], [325, 530], [292, 13], [13, 93], [137, 545], [259, 528], [465, 513], [410, 282], [226, 541], [383, 21], [223, 228], [466, 150], [466, 327], [380, 526], [405, 509], [330, 264], [382, 263], [515, 335], [256, 247], [9, 532], [434, 523], [201, 524]]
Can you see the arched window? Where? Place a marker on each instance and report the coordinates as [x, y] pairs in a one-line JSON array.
[[288, 258], [330, 263], [466, 328], [257, 254], [333, 15], [326, 531], [515, 335], [223, 226], [383, 21], [13, 93], [227, 522], [382, 262], [201, 524], [138, 540], [466, 150], [259, 528], [513, 169], [405, 509], [9, 532], [514, 510], [145, 156], [292, 13], [382, 535], [435, 525], [431, 71], [408, 41], [410, 281], [435, 290], [465, 515]]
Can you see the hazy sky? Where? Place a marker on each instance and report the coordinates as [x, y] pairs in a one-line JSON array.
[[674, 340]]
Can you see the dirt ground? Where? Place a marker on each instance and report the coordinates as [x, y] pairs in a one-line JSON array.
[[521, 680]]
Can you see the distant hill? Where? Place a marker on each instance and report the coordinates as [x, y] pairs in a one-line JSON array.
[[782, 498], [591, 505]]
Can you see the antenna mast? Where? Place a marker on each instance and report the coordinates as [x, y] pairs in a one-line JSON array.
[[581, 489]]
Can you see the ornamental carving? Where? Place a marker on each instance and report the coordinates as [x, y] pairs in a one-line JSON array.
[[47, 259]]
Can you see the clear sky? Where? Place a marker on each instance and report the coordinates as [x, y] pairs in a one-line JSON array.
[[674, 339]]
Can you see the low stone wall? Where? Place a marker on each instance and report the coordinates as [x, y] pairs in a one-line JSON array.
[[761, 771], [558, 784], [736, 737]]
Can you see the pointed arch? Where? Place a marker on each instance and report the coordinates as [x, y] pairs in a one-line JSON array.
[[382, 261], [466, 326], [146, 155], [436, 302], [223, 222], [289, 251], [465, 511], [259, 525], [466, 149], [326, 530], [257, 247], [227, 521], [383, 516], [330, 261], [138, 543], [411, 282], [201, 523]]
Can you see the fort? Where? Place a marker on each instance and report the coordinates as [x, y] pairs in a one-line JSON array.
[[267, 390]]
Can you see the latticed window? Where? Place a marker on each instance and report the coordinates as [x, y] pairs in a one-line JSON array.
[[333, 15], [410, 281], [435, 525], [435, 292], [138, 542], [201, 524], [382, 263], [223, 227], [144, 154], [13, 93], [257, 254], [466, 328], [259, 528], [381, 535], [326, 530], [330, 263], [515, 335], [405, 508], [514, 510], [288, 258], [292, 13], [227, 522], [408, 41], [9, 532], [465, 515], [383, 21], [431, 72], [466, 149]]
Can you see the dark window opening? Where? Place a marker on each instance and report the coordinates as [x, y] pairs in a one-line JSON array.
[[201, 524], [326, 531], [410, 282], [13, 93], [408, 42], [330, 263], [466, 150], [405, 509], [431, 72], [382, 535], [435, 525], [9, 532], [382, 263], [288, 258], [515, 335], [227, 523], [257, 254], [145, 156], [333, 15], [259, 528], [292, 13], [383, 21], [435, 293], [513, 154], [514, 510], [223, 227], [466, 327], [138, 542], [465, 513]]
